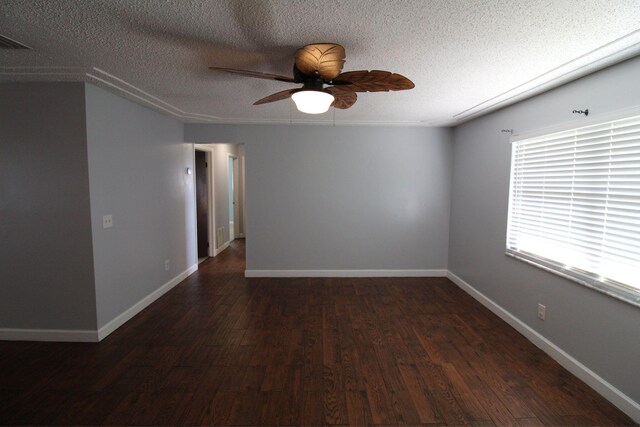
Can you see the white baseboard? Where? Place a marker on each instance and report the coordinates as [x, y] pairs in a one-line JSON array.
[[69, 335], [599, 384], [143, 303], [59, 335], [345, 273], [224, 246]]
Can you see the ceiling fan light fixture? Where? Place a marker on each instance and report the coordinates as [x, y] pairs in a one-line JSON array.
[[318, 67], [312, 101]]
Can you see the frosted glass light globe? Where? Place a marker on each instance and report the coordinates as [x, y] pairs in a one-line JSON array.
[[312, 101]]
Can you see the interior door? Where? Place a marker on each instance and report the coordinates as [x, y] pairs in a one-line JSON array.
[[202, 204]]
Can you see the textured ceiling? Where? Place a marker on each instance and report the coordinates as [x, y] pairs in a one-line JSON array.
[[466, 57]]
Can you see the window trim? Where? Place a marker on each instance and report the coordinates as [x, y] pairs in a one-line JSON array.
[[621, 292], [611, 288]]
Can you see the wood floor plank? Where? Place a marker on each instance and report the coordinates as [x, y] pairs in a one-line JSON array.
[[358, 411], [312, 411], [442, 391], [419, 393], [499, 413], [529, 422], [334, 399], [467, 399], [292, 396], [268, 408], [220, 349]]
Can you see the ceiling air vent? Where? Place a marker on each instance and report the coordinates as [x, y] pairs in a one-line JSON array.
[[7, 43]]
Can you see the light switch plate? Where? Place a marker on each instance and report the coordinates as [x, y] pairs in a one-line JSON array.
[[107, 221]]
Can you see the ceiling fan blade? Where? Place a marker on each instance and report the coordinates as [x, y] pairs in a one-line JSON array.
[[373, 81], [278, 96], [325, 58], [256, 74], [344, 98]]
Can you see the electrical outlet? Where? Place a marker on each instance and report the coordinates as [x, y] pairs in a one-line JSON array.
[[542, 312], [107, 221], [166, 265]]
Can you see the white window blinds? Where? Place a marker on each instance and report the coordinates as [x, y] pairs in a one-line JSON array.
[[574, 205]]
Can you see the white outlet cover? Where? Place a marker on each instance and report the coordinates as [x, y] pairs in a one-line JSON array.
[[542, 312], [107, 221]]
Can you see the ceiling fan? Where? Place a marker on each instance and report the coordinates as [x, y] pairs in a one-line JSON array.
[[320, 64]]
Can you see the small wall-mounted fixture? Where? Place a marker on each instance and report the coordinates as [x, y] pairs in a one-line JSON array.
[[585, 112], [188, 171]]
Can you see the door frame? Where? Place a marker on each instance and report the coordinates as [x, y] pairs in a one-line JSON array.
[[241, 174], [211, 214], [234, 184]]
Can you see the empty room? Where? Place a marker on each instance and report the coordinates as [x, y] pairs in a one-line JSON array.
[[320, 212]]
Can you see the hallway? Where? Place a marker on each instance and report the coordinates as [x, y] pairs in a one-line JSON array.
[[231, 260]]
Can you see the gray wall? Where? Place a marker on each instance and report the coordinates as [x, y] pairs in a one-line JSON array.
[[601, 332], [45, 230], [348, 197], [137, 164]]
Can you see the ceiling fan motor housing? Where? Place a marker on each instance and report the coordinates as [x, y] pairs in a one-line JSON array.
[[310, 82]]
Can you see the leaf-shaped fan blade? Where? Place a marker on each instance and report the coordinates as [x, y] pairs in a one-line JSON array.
[[278, 96], [344, 98], [325, 58], [373, 81], [256, 74]]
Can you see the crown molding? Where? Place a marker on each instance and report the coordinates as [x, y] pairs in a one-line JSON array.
[[327, 122], [105, 80], [607, 55], [619, 50], [127, 90], [34, 73], [119, 86]]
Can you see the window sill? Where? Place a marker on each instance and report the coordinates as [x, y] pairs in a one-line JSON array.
[[611, 289]]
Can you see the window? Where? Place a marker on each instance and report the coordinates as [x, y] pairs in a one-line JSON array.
[[574, 205]]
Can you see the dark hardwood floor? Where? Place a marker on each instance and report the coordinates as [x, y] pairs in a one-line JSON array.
[[223, 350]]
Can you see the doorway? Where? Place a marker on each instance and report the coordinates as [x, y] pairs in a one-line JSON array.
[[219, 199], [202, 204]]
